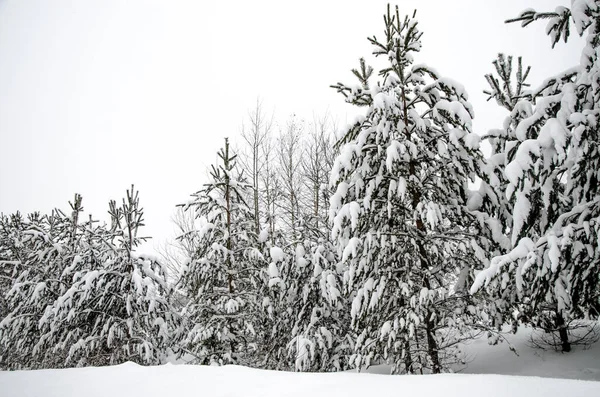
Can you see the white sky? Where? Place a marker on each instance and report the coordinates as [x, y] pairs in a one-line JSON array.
[[96, 95]]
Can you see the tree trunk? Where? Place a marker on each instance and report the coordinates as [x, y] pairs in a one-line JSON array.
[[228, 209], [255, 187], [408, 363], [562, 332], [432, 347]]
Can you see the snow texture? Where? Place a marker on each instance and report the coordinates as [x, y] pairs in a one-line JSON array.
[[132, 380]]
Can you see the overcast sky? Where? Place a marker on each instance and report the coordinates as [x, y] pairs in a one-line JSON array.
[[96, 95]]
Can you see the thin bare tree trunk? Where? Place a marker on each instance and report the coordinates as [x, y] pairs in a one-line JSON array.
[[562, 332], [255, 138]]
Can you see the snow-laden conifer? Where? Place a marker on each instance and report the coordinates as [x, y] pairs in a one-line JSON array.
[[399, 212], [115, 307], [509, 88], [34, 253], [222, 279], [553, 180], [320, 339]]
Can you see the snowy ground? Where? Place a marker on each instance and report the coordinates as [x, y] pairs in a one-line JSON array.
[[130, 380], [477, 378], [481, 358], [581, 363]]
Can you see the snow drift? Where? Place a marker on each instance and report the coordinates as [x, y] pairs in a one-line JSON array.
[[132, 380]]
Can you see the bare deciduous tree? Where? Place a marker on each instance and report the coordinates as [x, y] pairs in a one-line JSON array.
[[255, 133], [176, 251], [317, 160], [290, 167]]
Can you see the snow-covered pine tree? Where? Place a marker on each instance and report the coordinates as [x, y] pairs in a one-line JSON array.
[[509, 91], [305, 313], [399, 211], [12, 254], [223, 277], [115, 309], [508, 87], [554, 175], [277, 311], [321, 317], [11, 230], [34, 252]]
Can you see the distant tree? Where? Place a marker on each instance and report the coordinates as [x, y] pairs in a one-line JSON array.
[[316, 163], [270, 193], [291, 177], [255, 135], [181, 248]]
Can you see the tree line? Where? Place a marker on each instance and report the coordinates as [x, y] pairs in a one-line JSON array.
[[319, 251]]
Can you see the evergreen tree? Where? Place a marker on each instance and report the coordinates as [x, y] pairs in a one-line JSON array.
[[509, 91], [115, 309], [508, 87], [223, 276], [320, 333], [11, 253], [277, 286], [554, 181], [34, 253], [399, 211], [81, 296]]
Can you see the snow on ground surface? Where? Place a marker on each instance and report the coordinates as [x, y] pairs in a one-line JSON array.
[[481, 358], [131, 380], [541, 369]]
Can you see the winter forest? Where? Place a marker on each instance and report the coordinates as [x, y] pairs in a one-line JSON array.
[[317, 248]]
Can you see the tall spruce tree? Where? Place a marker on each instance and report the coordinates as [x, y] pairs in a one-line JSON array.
[[554, 181], [399, 211], [223, 276]]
